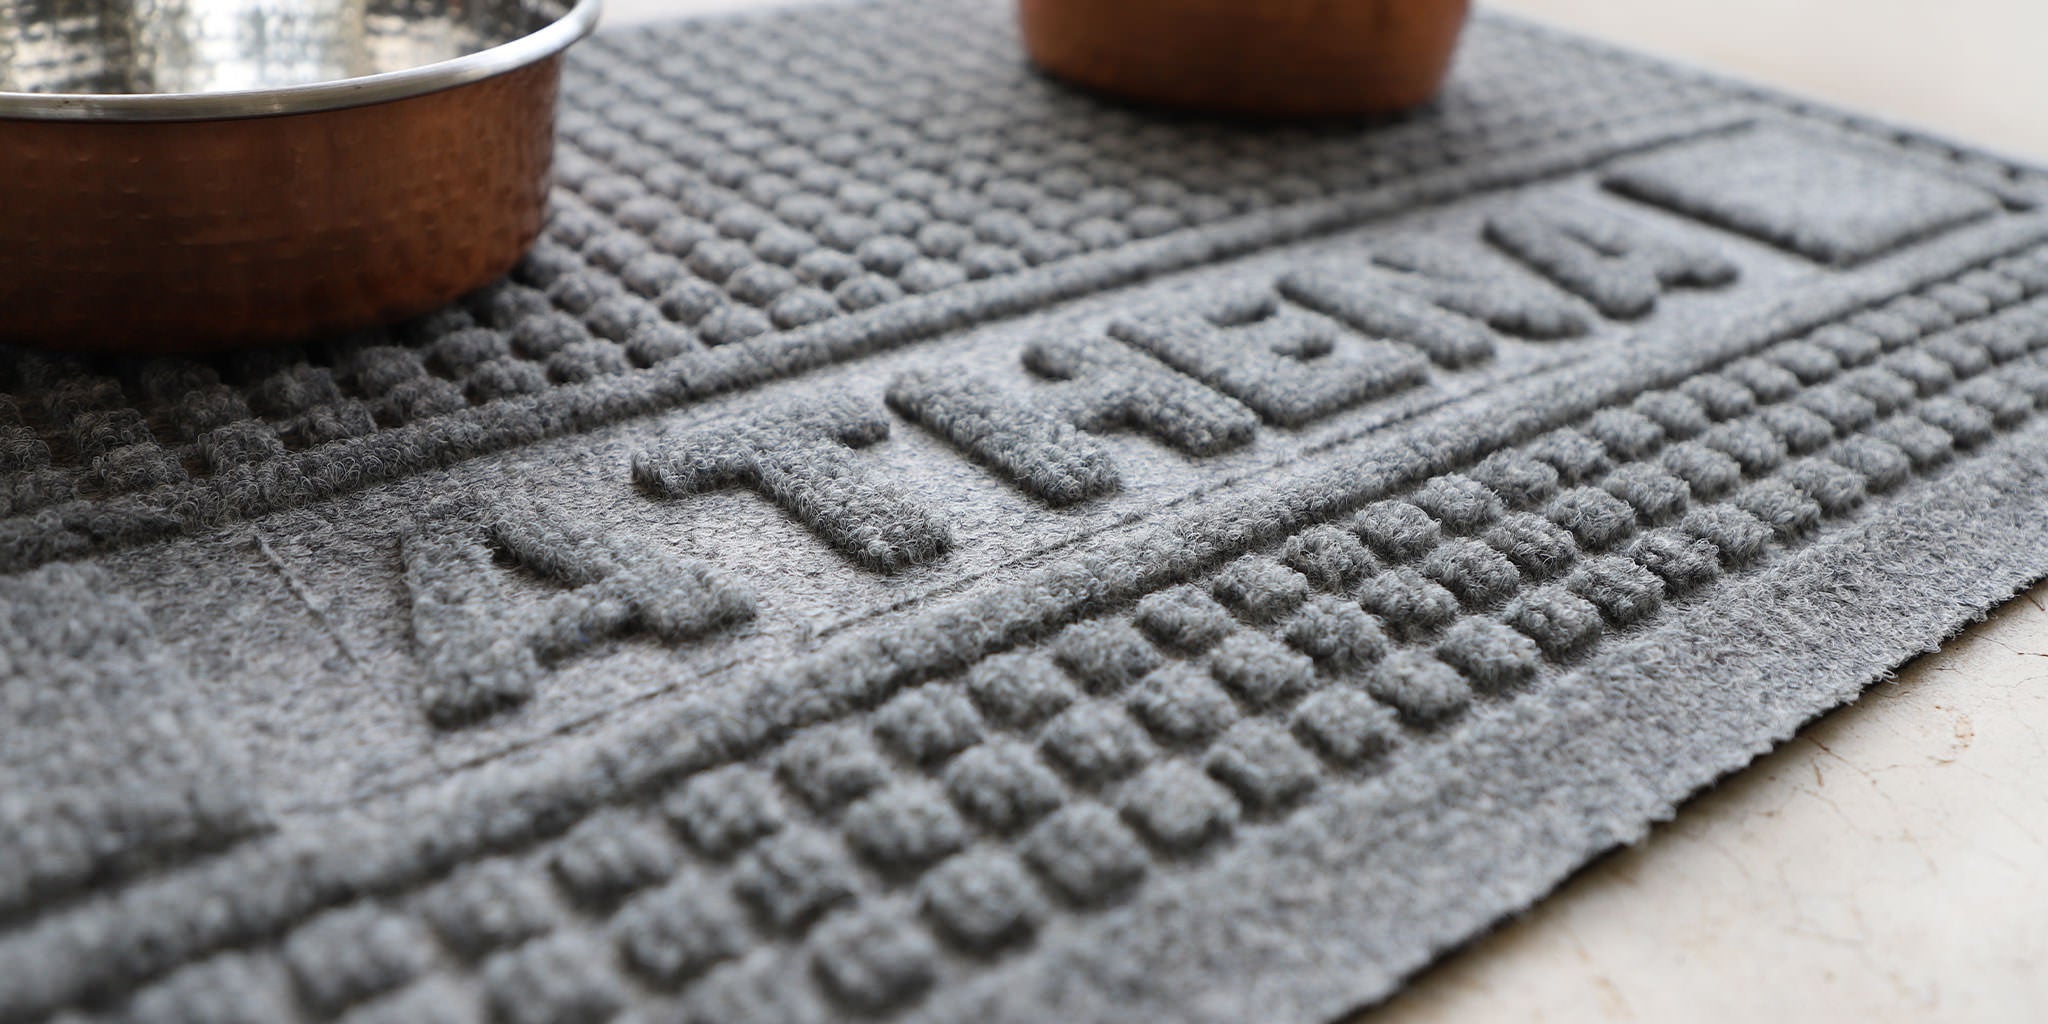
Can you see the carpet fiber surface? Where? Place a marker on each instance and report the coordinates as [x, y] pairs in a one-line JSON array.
[[916, 543]]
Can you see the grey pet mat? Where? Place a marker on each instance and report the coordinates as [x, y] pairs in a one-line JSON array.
[[915, 543]]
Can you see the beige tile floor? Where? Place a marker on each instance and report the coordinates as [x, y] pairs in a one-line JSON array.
[[1891, 863], [1975, 70]]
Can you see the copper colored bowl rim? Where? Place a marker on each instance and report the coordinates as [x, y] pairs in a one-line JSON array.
[[536, 46]]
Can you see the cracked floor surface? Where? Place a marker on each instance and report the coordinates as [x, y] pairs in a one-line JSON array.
[[1885, 865]]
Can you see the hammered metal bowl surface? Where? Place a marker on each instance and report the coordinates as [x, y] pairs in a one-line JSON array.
[[207, 46], [1257, 58], [186, 175]]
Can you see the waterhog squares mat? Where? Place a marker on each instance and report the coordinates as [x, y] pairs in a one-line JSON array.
[[915, 543]]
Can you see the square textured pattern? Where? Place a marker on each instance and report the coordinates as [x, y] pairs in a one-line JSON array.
[[917, 543]]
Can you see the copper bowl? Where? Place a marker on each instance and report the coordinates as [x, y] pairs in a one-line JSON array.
[[189, 175], [1269, 58]]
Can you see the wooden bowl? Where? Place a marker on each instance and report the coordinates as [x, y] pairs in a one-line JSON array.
[[189, 176], [1266, 58]]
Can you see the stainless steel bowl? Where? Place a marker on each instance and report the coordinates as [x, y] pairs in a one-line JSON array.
[[183, 174]]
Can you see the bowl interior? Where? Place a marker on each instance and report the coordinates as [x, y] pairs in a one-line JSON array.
[[141, 47]]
